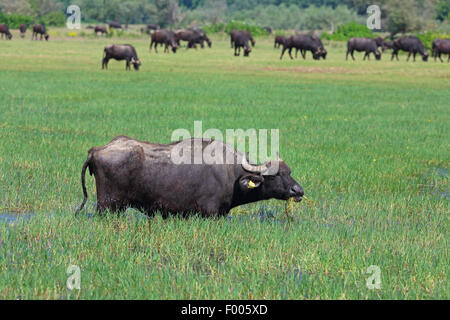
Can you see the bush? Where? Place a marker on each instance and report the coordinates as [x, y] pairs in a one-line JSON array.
[[350, 30], [15, 20], [54, 19], [427, 38], [236, 25]]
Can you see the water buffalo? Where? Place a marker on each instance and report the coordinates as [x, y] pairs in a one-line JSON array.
[[100, 29], [387, 45], [136, 174], [149, 28], [121, 52], [23, 30], [39, 29], [366, 45], [439, 47], [115, 25], [279, 41], [304, 43], [410, 44], [166, 38], [193, 37], [202, 37], [4, 30], [234, 34], [241, 40]]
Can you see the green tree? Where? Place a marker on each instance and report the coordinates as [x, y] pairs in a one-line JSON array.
[[443, 10]]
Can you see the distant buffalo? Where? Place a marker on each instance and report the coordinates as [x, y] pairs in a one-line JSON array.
[[387, 45], [4, 30], [268, 30], [192, 37], [366, 45], [439, 47], [149, 28], [279, 41], [241, 40], [39, 29], [234, 34], [100, 29], [115, 25], [304, 43], [166, 38], [121, 52], [202, 36], [23, 30], [410, 44]]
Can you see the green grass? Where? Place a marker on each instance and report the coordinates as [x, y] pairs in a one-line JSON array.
[[368, 141]]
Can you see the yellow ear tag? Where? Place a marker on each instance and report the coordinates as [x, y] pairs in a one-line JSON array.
[[251, 185]]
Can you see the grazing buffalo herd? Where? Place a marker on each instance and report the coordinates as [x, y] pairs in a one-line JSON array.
[[243, 40]]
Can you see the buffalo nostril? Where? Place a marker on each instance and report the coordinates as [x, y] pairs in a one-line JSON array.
[[297, 190]]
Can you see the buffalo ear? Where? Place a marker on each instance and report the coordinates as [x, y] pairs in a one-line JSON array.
[[250, 182]]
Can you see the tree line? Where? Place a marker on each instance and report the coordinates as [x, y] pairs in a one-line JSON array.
[[398, 16]]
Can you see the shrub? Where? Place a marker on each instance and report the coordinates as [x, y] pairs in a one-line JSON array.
[[15, 20], [54, 19], [427, 38], [236, 25], [350, 30]]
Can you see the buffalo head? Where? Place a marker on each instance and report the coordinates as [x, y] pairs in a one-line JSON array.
[[136, 63], [425, 56], [46, 37], [377, 55], [247, 51], [266, 184]]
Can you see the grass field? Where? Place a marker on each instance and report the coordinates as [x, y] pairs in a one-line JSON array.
[[368, 142]]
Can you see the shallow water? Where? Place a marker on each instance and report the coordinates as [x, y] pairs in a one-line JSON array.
[[9, 218]]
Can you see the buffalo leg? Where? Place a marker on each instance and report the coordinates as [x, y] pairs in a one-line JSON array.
[[282, 52], [105, 63], [414, 57], [409, 56], [353, 54], [303, 53], [290, 53]]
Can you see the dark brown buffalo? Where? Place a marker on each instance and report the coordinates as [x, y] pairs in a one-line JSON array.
[[234, 34], [136, 174], [100, 29], [366, 45], [23, 30], [304, 43], [121, 52], [192, 37], [39, 29], [148, 29], [201, 37], [387, 45], [410, 44], [279, 41], [241, 40], [439, 47], [4, 31], [166, 38], [115, 25]]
